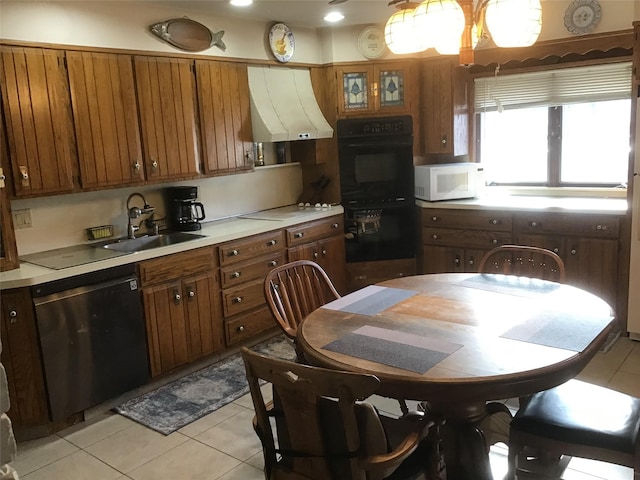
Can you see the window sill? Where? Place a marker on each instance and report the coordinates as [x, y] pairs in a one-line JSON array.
[[590, 192]]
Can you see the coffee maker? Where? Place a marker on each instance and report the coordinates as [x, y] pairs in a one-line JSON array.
[[183, 212]]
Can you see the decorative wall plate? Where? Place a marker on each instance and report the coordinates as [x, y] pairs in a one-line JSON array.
[[582, 16], [371, 42], [187, 34], [281, 42]]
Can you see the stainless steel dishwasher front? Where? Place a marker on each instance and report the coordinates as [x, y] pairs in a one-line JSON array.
[[92, 338]]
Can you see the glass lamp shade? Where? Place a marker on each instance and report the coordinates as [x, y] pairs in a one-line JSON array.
[[514, 23], [400, 33], [442, 21]]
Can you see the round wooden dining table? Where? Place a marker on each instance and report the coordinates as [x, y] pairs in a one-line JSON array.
[[459, 341]]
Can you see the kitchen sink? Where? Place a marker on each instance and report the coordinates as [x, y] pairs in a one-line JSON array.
[[131, 245]]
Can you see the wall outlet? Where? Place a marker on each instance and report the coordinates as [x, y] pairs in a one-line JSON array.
[[22, 218]]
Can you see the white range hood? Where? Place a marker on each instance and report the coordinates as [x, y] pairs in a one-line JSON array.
[[283, 106]]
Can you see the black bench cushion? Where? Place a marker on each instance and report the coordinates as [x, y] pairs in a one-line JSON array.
[[582, 413]]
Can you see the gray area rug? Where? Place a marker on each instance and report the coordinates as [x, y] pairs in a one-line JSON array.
[[193, 396]]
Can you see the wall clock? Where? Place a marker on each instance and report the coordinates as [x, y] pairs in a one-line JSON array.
[[582, 16], [281, 42]]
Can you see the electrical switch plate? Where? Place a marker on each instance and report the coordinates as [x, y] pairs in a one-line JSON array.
[[22, 218]]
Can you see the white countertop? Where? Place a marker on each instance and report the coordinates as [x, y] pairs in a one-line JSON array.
[[559, 204], [214, 232]]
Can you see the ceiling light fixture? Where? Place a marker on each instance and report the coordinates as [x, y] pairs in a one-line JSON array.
[[455, 27], [240, 3], [333, 17]]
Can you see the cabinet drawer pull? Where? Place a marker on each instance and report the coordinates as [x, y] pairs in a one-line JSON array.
[[534, 224], [233, 253], [315, 254], [494, 241], [13, 317], [237, 300], [235, 274], [494, 222], [556, 250], [434, 219], [299, 235], [574, 251], [457, 261], [240, 328], [335, 225], [471, 261], [271, 243], [273, 263], [435, 236], [601, 227]]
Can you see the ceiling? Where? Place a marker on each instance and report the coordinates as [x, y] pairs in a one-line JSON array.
[[299, 13]]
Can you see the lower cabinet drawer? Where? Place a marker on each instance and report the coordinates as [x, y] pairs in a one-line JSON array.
[[247, 325], [238, 300]]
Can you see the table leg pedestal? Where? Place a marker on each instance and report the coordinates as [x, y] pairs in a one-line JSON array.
[[465, 446]]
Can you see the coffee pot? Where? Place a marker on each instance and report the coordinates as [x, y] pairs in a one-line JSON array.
[[184, 213]]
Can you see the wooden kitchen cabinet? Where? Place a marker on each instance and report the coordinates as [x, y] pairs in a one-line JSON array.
[[181, 298], [37, 109], [244, 264], [168, 115], [21, 359], [321, 241], [456, 240], [225, 116], [375, 89], [8, 248], [107, 126], [445, 108], [588, 245]]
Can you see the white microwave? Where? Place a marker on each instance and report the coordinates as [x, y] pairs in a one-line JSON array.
[[448, 181]]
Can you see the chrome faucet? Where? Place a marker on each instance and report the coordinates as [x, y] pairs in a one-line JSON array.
[[135, 212]]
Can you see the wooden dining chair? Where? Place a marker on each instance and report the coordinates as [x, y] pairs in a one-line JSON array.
[[293, 291], [574, 419], [523, 260], [322, 431]]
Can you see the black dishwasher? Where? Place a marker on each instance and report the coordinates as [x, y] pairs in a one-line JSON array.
[[92, 337]]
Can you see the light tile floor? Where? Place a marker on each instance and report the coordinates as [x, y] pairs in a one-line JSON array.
[[223, 446]]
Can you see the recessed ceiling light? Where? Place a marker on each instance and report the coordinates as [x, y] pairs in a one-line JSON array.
[[240, 3], [333, 17]]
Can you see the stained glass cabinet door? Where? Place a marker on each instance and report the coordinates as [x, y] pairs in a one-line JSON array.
[[370, 89]]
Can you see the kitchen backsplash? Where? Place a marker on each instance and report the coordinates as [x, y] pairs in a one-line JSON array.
[[62, 220]]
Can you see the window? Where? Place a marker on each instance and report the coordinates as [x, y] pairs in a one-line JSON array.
[[567, 127]]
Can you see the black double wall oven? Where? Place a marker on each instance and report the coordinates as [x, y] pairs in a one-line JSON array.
[[376, 186]]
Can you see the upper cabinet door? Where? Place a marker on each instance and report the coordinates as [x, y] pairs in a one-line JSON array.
[[373, 89], [8, 249], [167, 100], [37, 108], [445, 108], [225, 116], [106, 119]]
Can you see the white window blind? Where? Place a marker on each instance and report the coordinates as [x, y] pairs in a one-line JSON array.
[[554, 87]]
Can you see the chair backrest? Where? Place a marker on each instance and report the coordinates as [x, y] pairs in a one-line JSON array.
[[525, 261], [317, 437], [296, 289]]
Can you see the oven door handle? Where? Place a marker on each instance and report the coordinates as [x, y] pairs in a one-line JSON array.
[[377, 144]]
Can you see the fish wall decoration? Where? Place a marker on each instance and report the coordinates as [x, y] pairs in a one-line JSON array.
[[188, 35]]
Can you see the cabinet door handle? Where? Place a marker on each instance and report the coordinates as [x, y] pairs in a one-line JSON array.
[[444, 140], [154, 164], [240, 328], [136, 166], [315, 254], [13, 317], [237, 300], [494, 241], [24, 174], [177, 298], [191, 293], [271, 243], [574, 251], [456, 260], [235, 275], [435, 236], [299, 235], [472, 261], [434, 219], [494, 222], [335, 225], [556, 250], [273, 263], [233, 253], [324, 252], [534, 224]]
